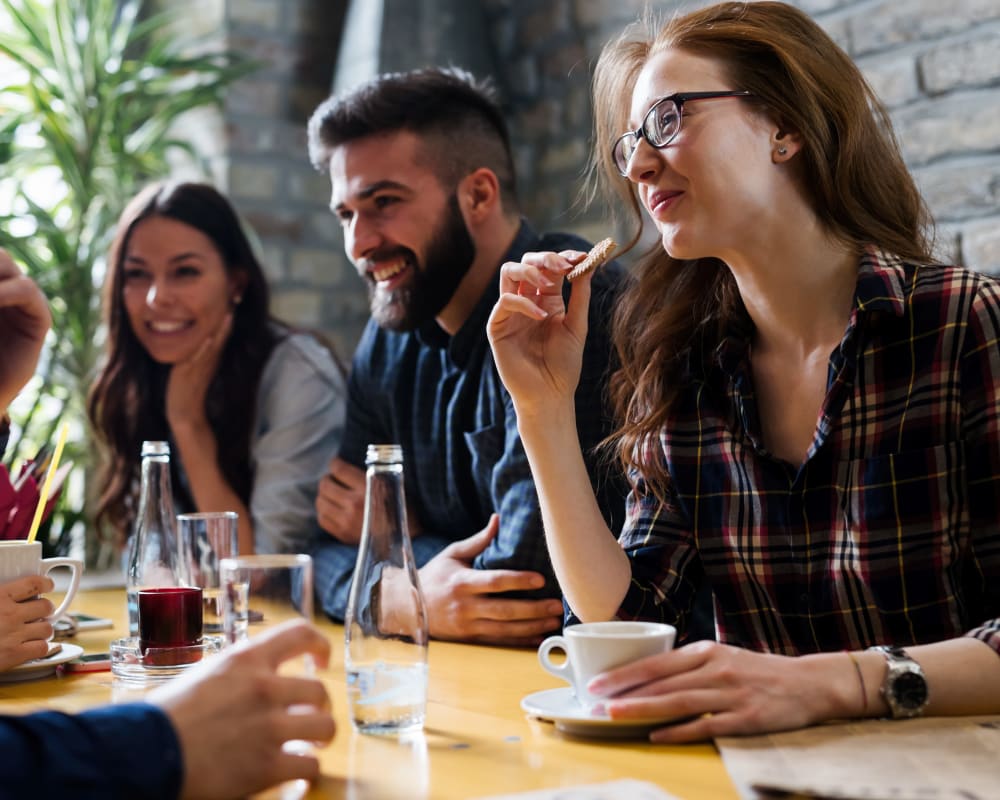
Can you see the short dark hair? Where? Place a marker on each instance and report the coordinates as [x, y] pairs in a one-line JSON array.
[[456, 115]]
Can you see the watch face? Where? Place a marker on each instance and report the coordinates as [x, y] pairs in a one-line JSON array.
[[910, 690]]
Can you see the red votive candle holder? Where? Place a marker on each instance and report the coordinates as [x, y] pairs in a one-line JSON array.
[[169, 622]]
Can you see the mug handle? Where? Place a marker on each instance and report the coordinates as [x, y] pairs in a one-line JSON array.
[[559, 670], [76, 567]]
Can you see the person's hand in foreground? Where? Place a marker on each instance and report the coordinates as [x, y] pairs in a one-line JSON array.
[[24, 321], [462, 601], [233, 714], [24, 631]]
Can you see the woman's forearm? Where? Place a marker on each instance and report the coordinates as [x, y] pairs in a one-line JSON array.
[[592, 569]]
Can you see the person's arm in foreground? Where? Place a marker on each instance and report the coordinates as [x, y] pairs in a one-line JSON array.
[[217, 732], [24, 320]]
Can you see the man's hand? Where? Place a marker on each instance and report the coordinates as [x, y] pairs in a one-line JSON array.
[[24, 321], [462, 603], [24, 632], [340, 501], [233, 714]]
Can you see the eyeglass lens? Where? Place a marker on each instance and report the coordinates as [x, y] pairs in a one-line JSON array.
[[660, 124]]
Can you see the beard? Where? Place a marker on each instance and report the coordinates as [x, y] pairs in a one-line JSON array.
[[431, 284]]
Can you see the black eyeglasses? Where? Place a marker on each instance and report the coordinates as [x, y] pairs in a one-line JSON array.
[[660, 125]]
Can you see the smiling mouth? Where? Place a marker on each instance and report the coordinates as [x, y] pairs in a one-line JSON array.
[[164, 326], [388, 272], [663, 200]]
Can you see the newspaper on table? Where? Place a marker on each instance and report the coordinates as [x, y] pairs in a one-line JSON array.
[[613, 790], [933, 758]]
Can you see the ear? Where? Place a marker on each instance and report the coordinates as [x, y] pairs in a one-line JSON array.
[[237, 286], [784, 145], [479, 195]]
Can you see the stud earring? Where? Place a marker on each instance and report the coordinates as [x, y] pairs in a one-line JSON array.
[[237, 299], [782, 151]]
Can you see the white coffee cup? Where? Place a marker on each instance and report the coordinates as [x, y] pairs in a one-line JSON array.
[[20, 557], [595, 647]]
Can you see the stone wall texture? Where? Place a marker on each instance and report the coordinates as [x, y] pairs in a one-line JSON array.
[[935, 63]]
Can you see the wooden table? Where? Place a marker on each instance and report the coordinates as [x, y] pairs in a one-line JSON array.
[[477, 741]]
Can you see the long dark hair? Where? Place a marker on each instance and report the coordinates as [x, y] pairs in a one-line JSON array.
[[126, 403], [674, 312]]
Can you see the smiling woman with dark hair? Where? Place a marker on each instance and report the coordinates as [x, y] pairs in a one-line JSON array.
[[251, 408]]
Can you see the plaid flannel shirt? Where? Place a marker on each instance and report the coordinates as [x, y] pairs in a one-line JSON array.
[[888, 532]]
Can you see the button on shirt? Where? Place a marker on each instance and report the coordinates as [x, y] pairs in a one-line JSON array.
[[889, 532]]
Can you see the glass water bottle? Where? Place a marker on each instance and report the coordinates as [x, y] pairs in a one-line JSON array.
[[386, 624], [154, 560]]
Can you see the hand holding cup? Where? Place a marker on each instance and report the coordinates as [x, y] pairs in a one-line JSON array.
[[595, 647]]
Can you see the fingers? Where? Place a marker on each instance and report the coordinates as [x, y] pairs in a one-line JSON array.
[[347, 475], [297, 695], [468, 549], [308, 724], [546, 611], [659, 668], [286, 641], [498, 581], [30, 650], [33, 612], [292, 766], [27, 587], [543, 272]]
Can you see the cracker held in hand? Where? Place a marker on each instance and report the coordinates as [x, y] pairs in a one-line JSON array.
[[598, 255]]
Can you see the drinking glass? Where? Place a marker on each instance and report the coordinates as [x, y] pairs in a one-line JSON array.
[[205, 539], [258, 593]]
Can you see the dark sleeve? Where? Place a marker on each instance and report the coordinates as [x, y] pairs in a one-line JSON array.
[[520, 543], [594, 418], [128, 750], [363, 425]]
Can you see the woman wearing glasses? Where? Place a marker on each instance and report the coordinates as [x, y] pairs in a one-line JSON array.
[[807, 405]]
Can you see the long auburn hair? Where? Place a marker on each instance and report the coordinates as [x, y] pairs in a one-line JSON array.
[[674, 313], [126, 403]]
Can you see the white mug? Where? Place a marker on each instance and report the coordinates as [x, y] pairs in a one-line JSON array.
[[20, 557], [595, 647]]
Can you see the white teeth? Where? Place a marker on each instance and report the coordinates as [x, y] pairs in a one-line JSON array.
[[388, 272], [167, 327]]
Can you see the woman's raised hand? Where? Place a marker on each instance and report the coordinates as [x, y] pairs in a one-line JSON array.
[[189, 379], [537, 339]]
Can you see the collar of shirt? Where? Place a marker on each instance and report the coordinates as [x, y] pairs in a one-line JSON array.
[[880, 290]]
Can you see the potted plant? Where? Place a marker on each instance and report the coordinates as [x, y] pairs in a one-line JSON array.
[[90, 93]]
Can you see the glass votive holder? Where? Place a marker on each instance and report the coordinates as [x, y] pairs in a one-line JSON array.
[[137, 666]]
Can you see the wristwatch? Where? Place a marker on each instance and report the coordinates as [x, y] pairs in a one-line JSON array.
[[905, 687]]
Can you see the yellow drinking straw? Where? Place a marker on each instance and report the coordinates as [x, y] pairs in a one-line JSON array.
[[44, 496]]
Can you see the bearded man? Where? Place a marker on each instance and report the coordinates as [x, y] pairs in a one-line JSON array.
[[423, 184]]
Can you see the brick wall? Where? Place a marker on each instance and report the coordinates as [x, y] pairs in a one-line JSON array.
[[936, 64]]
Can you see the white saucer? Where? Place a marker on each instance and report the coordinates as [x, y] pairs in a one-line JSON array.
[[41, 667], [560, 706]]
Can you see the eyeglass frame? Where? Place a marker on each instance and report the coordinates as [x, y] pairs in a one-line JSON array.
[[678, 99]]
